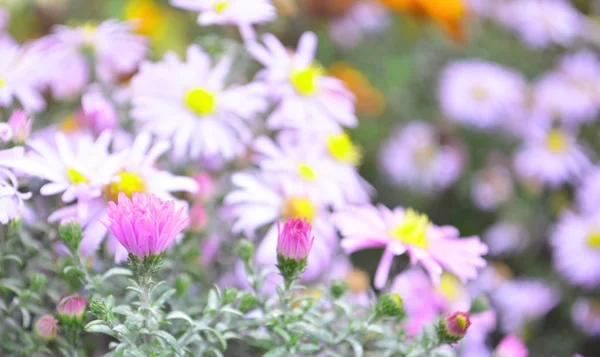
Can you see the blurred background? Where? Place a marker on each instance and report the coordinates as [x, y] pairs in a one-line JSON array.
[[482, 114]]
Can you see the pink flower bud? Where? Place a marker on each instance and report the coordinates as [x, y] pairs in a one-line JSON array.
[[46, 327], [206, 185], [99, 113], [294, 241], [71, 308], [457, 324], [144, 224], [198, 217], [20, 125]]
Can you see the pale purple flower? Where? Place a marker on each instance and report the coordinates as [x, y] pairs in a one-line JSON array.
[[552, 157], [480, 94], [492, 187], [506, 237], [413, 157], [241, 13], [586, 316], [11, 199], [206, 117], [20, 126], [144, 224], [511, 346], [588, 192], [399, 231], [295, 240], [20, 70], [576, 249], [541, 23], [306, 98], [99, 112], [521, 301], [361, 19]]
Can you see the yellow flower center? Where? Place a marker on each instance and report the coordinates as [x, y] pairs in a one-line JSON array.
[[2, 82], [220, 6], [76, 177], [299, 208], [342, 149], [147, 15], [89, 31], [128, 183], [201, 101], [556, 141], [449, 286], [479, 93], [305, 80], [461, 321], [593, 240], [413, 229], [307, 172]]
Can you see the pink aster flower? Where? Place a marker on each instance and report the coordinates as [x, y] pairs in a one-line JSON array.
[[20, 76], [586, 316], [207, 118], [241, 13], [480, 94], [295, 240], [511, 346], [402, 231], [99, 112], [306, 98], [414, 157], [541, 23], [552, 157], [576, 245], [144, 224]]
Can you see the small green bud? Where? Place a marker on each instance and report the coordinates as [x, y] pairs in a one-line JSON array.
[[338, 288], [70, 233], [390, 305], [247, 302], [229, 295], [182, 284], [480, 304], [37, 282], [245, 250], [99, 309]]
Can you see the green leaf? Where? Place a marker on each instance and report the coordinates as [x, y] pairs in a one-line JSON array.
[[178, 315], [232, 311], [281, 332], [26, 317], [356, 346], [165, 296], [12, 285], [166, 337], [122, 329], [14, 258], [213, 301], [98, 326], [216, 352], [277, 352], [115, 272]]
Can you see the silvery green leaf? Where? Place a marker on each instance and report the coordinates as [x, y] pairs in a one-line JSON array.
[[444, 352], [356, 346], [12, 285], [212, 302], [115, 272], [417, 352], [232, 311], [317, 332], [133, 288], [277, 352], [98, 328], [14, 258], [123, 310], [216, 352], [165, 296], [178, 315], [218, 335], [122, 329], [283, 333], [166, 337], [26, 317], [344, 307], [308, 348]]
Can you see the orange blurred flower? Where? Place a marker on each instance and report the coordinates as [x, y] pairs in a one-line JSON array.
[[448, 14], [146, 15], [369, 100]]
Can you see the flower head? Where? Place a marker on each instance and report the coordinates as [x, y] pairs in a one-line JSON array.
[[586, 316], [511, 346], [46, 327], [144, 224], [455, 326], [294, 241], [71, 308]]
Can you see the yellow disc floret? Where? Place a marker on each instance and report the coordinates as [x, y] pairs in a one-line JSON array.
[[593, 240], [299, 208], [128, 183], [305, 80], [342, 149], [556, 141], [307, 172], [201, 101], [449, 286], [220, 6], [76, 177], [413, 229]]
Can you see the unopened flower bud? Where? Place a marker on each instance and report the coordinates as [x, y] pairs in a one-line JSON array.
[[198, 217], [294, 243], [454, 327], [182, 284], [229, 295], [244, 249], [390, 305], [70, 233], [46, 327], [71, 309], [247, 302], [20, 126]]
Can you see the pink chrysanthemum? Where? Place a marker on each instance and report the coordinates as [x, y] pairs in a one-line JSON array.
[[144, 224], [295, 240], [402, 231]]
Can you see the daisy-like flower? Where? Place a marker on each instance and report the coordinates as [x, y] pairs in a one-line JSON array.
[[480, 94], [306, 98], [241, 13], [586, 316], [588, 192], [326, 169], [362, 18], [400, 231], [551, 156], [144, 224], [413, 157], [99, 112], [117, 52], [20, 76], [206, 118], [576, 245], [541, 23], [11, 199], [491, 187], [506, 237], [263, 200], [134, 171]]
